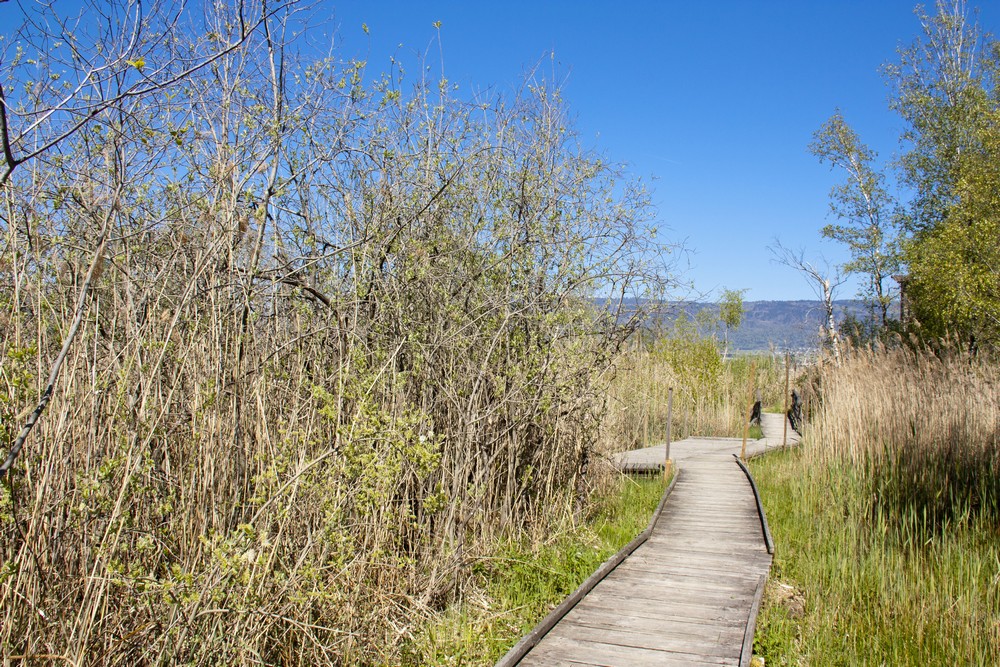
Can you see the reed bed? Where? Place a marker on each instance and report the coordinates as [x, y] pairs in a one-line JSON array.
[[886, 517], [921, 426], [711, 396]]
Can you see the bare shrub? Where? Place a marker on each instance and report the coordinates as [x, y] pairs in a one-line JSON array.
[[336, 335]]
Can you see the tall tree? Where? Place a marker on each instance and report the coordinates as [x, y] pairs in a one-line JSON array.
[[731, 313], [955, 279], [865, 208], [824, 283], [945, 91], [940, 92]]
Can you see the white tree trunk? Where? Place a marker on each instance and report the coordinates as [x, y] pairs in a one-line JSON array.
[[831, 322]]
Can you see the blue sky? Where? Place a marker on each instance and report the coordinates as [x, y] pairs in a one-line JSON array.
[[716, 101], [713, 103]]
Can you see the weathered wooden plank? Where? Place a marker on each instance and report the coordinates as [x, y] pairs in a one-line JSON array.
[[725, 568], [726, 505], [732, 575], [565, 651], [627, 623], [705, 510], [719, 647], [733, 520], [686, 557], [669, 588], [692, 531], [680, 592], [736, 549], [677, 581], [681, 558], [752, 542], [675, 612], [685, 595], [663, 548]]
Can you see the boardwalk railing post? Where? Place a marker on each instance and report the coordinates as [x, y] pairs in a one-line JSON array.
[[645, 427], [784, 433], [746, 415], [670, 410]]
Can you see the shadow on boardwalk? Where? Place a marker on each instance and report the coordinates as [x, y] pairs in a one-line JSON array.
[[688, 595]]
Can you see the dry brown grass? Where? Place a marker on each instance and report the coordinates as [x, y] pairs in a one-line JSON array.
[[711, 396], [922, 425]]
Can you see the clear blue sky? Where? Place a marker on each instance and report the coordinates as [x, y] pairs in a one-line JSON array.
[[715, 100]]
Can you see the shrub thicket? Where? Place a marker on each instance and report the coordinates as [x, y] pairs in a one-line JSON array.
[[334, 334]]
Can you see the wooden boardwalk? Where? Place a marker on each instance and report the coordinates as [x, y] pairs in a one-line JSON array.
[[687, 595]]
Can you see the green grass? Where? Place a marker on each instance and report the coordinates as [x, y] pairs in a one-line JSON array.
[[519, 583], [852, 586]]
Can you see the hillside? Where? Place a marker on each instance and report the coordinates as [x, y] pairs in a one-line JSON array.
[[785, 325]]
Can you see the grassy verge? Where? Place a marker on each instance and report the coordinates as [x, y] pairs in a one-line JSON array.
[[516, 585], [852, 586], [886, 519]]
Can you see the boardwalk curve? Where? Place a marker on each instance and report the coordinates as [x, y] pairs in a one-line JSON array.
[[687, 595]]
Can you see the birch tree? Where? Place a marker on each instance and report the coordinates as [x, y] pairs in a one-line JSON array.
[[824, 283], [865, 208]]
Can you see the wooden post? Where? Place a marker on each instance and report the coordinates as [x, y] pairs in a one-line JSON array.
[[746, 415], [685, 431], [645, 426], [784, 434], [667, 463]]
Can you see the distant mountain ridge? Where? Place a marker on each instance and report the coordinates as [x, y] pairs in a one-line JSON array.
[[783, 325]]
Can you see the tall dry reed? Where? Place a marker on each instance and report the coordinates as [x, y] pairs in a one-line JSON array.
[[711, 396], [922, 426]]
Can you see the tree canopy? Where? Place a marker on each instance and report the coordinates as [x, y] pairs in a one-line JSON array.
[[945, 234]]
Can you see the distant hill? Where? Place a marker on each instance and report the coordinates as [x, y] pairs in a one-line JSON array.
[[788, 325], [785, 325]]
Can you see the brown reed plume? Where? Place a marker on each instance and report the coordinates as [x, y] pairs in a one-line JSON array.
[[923, 425]]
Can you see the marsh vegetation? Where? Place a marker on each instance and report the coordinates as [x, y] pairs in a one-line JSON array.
[[886, 517], [303, 364], [304, 342]]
